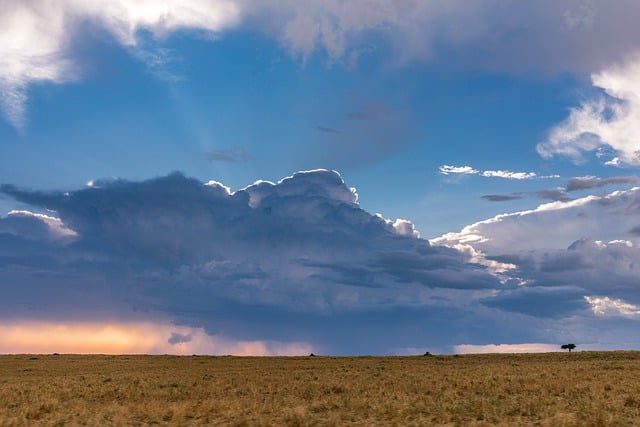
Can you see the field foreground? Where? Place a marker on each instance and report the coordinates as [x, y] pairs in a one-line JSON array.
[[552, 389]]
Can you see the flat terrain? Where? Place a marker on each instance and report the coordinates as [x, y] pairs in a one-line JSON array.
[[553, 389]]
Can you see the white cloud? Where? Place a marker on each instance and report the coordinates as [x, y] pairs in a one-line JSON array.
[[405, 227], [487, 33], [611, 120], [605, 306], [510, 175], [56, 227], [36, 36], [505, 174], [553, 226], [578, 259], [505, 348], [457, 170]]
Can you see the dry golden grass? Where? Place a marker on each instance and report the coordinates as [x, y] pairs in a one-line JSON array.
[[554, 389]]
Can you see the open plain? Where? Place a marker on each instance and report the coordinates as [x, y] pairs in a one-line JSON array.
[[551, 389]]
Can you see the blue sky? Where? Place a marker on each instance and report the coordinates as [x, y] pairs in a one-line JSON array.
[[496, 141]]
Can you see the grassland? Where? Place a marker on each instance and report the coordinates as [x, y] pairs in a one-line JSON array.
[[553, 389]]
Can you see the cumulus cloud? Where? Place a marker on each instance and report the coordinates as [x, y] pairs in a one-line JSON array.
[[554, 225], [577, 260], [298, 261], [605, 306], [610, 120], [239, 263], [26, 223], [505, 174]]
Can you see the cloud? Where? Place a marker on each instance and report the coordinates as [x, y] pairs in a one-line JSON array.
[[553, 226], [505, 174], [37, 36], [589, 182], [235, 154], [292, 261], [131, 338], [610, 120], [555, 194], [34, 225], [605, 306], [500, 197], [575, 261], [489, 34], [505, 348], [457, 170], [299, 261], [177, 338]]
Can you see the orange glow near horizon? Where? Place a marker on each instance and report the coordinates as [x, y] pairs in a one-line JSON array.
[[41, 337]]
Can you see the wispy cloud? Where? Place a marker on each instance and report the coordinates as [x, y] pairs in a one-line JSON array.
[[235, 154], [554, 194], [505, 174], [500, 197], [589, 182]]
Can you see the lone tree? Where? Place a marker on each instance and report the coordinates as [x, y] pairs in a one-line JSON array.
[[568, 347]]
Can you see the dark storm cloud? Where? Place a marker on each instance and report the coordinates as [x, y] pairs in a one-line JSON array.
[[300, 260], [541, 302], [177, 338], [297, 256]]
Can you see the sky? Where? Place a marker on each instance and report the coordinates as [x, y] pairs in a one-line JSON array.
[[336, 177]]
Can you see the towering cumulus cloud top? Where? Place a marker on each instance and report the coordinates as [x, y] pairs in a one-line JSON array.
[[301, 264], [233, 262]]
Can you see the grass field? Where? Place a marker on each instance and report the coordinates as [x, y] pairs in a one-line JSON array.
[[552, 389]]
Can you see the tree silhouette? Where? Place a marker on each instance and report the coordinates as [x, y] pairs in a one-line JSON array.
[[568, 347]]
